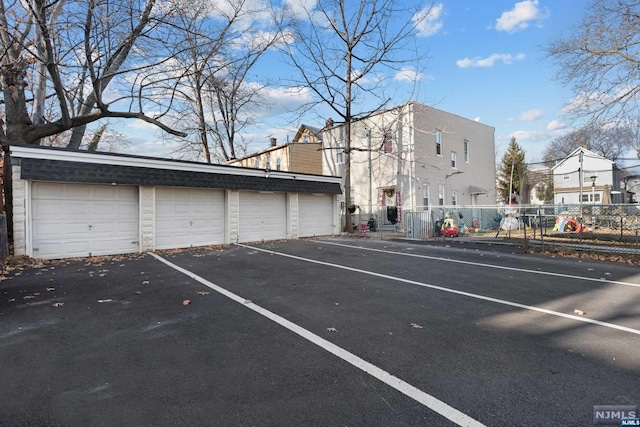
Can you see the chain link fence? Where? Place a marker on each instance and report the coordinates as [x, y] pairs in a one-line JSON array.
[[614, 226]]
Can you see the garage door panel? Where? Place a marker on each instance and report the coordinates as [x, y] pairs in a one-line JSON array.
[[263, 216], [315, 215], [48, 210], [77, 192], [188, 217], [44, 190], [70, 220]]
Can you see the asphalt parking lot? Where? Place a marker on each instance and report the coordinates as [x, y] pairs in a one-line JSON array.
[[328, 332]]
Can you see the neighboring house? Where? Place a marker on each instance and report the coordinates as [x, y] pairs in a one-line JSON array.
[[585, 172], [302, 155], [414, 157]]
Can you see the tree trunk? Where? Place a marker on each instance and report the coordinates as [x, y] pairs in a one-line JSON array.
[[16, 114]]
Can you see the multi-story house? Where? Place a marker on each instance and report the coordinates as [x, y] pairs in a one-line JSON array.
[[302, 154], [413, 157], [585, 173]]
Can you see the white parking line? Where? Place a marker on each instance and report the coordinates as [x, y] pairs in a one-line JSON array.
[[479, 264], [407, 389], [453, 291]]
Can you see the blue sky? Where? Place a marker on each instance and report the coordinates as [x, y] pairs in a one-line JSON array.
[[485, 62]]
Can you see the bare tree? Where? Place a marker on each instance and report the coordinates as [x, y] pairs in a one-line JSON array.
[[599, 60], [216, 59], [85, 47], [609, 142], [338, 48]]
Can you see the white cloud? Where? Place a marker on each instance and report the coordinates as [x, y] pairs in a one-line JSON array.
[[589, 102], [300, 8], [428, 21], [279, 100], [531, 115], [409, 74], [506, 58], [555, 125], [519, 17]]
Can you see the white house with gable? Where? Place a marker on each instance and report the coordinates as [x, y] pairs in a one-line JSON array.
[[586, 173]]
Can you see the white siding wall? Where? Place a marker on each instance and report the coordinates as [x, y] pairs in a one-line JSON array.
[[413, 163]]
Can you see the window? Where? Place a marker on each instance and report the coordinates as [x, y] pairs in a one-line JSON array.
[[454, 160], [587, 197], [454, 197], [466, 151], [387, 143], [425, 198], [278, 163], [438, 143], [441, 194], [267, 162], [256, 163], [340, 152], [305, 138]]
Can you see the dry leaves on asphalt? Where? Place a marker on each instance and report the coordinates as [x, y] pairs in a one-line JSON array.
[[416, 326], [332, 330], [186, 302], [202, 293]]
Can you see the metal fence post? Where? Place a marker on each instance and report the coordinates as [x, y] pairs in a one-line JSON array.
[[541, 233]]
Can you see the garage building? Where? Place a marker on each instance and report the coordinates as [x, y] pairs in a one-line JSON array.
[[76, 203]]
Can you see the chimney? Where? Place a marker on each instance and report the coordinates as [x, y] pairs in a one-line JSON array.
[[274, 141], [329, 123]]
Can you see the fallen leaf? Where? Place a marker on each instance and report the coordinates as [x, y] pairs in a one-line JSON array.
[[415, 325], [57, 304], [104, 300], [579, 312], [138, 293], [332, 330], [248, 301], [12, 300], [146, 282], [186, 302], [202, 293], [51, 289], [28, 297]]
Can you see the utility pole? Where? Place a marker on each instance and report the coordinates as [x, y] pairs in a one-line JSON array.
[[580, 172]]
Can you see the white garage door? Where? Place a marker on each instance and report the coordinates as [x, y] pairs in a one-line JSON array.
[[187, 217], [73, 220], [315, 215], [263, 216]]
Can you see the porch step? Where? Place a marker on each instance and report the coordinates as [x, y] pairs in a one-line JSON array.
[[387, 227]]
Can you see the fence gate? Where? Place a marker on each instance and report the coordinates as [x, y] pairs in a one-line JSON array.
[[418, 225]]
